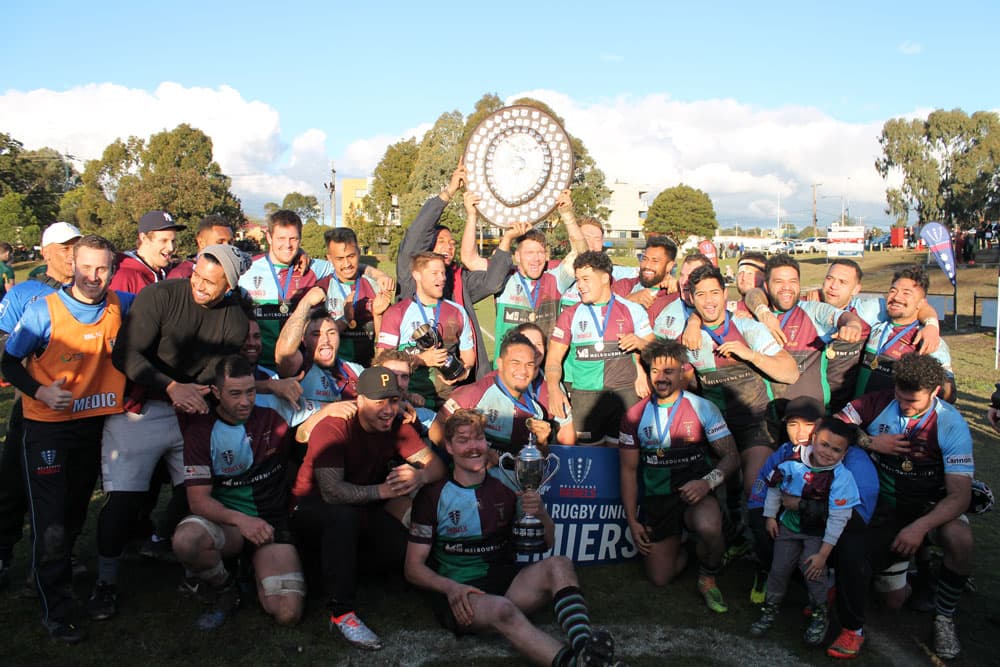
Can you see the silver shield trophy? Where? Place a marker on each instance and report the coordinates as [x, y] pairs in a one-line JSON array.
[[530, 469], [518, 160]]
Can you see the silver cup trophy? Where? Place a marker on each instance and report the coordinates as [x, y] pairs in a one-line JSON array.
[[427, 338], [530, 469]]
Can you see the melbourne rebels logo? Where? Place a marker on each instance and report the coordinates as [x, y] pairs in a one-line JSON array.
[[579, 469], [455, 516]]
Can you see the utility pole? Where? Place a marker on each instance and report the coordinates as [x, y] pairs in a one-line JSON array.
[[331, 187], [814, 186]]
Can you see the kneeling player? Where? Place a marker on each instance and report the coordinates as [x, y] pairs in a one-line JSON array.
[[474, 567], [234, 468], [669, 437]]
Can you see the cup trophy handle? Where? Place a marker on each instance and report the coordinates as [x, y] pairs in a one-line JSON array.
[[555, 469], [511, 477]]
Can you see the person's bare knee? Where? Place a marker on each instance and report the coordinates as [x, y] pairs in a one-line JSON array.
[[958, 544]]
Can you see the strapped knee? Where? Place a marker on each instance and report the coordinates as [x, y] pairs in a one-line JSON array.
[[290, 583], [214, 530]]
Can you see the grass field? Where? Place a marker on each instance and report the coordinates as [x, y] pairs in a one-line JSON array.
[[653, 627]]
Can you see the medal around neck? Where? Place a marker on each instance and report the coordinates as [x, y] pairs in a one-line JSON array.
[[531, 472], [518, 159]]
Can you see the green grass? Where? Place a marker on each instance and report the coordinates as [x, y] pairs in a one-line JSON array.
[[653, 626]]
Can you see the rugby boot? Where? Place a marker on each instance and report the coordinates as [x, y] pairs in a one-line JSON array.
[[946, 643], [768, 616], [355, 631], [847, 645], [819, 623]]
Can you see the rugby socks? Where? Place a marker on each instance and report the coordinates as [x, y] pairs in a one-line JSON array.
[[949, 588], [107, 569], [707, 574], [564, 658], [572, 616]]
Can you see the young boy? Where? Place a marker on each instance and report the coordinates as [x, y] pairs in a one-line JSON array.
[[460, 548], [806, 538]]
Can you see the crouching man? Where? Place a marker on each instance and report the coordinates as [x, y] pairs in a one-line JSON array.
[[469, 560], [234, 469]]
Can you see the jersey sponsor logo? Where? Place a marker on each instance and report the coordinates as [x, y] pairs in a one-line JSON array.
[[197, 472], [626, 439], [840, 502], [451, 405], [557, 332], [67, 358], [959, 460], [718, 428], [92, 335], [96, 401], [388, 339], [851, 414]]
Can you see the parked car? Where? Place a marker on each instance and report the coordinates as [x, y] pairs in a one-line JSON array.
[[779, 247], [878, 242], [811, 244]]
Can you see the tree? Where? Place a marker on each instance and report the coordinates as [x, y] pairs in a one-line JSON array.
[[949, 163], [42, 176], [15, 216], [680, 212], [312, 239], [369, 232], [306, 206], [173, 171]]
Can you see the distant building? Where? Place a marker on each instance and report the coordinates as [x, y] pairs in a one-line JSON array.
[[352, 193], [628, 213]]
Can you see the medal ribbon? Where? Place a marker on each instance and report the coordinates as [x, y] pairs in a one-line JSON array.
[[530, 294], [663, 433], [908, 430], [343, 292], [883, 346], [437, 312], [719, 340], [530, 405], [282, 291], [607, 317], [788, 313]]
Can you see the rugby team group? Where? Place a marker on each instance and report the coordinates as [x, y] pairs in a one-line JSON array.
[[317, 418]]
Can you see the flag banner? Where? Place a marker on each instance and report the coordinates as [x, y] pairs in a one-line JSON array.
[[938, 241], [707, 248]]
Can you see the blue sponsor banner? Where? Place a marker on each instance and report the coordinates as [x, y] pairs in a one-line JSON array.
[[584, 501], [938, 241]]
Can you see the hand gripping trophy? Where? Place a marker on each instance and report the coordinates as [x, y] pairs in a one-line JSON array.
[[530, 469]]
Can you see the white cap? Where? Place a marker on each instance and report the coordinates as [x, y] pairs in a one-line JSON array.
[[60, 232]]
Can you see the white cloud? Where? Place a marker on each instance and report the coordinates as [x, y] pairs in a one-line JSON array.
[[246, 135], [611, 58], [909, 48], [744, 156]]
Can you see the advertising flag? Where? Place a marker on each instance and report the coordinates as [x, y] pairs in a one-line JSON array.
[[938, 240]]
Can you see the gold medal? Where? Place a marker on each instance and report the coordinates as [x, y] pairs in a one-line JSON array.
[[874, 364], [599, 346], [830, 352], [283, 308], [660, 453], [532, 317], [907, 465], [353, 324]]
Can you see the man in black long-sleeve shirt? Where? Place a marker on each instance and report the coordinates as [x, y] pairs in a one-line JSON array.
[[168, 347], [463, 286]]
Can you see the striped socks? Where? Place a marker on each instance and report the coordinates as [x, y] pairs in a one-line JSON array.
[[572, 616]]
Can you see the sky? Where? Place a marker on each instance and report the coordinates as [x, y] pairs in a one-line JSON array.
[[750, 102]]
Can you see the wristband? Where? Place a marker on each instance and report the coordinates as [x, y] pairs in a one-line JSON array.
[[931, 322], [714, 478]]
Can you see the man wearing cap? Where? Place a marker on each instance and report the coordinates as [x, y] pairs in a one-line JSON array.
[[213, 229], [359, 474], [153, 255], [176, 333], [59, 356], [57, 250]]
